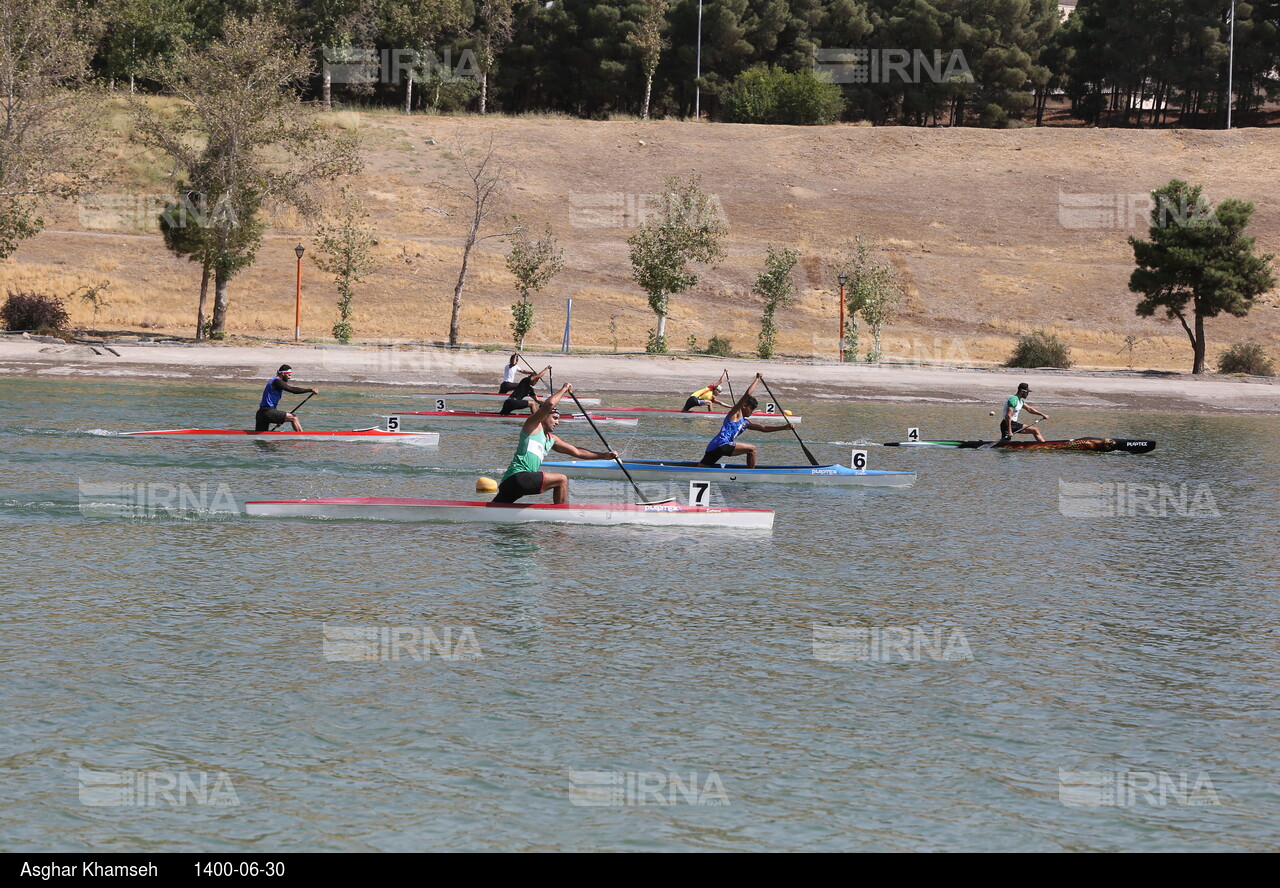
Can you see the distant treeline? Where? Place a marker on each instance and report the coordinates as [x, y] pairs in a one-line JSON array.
[[922, 62]]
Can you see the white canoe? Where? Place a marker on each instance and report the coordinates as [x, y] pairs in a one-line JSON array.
[[383, 508], [371, 434], [663, 413], [662, 470], [495, 397], [485, 415]]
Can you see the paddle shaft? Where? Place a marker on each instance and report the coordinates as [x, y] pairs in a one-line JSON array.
[[600, 435], [550, 380], [995, 444], [295, 410], [773, 397], [729, 382]]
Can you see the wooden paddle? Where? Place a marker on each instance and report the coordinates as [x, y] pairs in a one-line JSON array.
[[772, 397], [295, 410], [618, 460], [729, 382]]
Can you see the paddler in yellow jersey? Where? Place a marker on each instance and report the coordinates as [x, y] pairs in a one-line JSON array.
[[705, 397], [524, 476]]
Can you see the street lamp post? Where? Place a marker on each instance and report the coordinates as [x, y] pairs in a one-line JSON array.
[[297, 306], [843, 279]]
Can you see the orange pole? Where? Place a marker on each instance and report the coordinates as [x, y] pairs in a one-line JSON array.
[[297, 312]]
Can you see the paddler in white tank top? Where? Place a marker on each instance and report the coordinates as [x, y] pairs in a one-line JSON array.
[[524, 476], [1009, 425]]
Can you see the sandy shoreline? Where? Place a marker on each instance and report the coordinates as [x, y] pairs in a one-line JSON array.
[[440, 369]]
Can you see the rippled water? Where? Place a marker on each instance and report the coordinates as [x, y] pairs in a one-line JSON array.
[[1005, 648]]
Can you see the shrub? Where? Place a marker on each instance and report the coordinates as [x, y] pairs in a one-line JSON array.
[[768, 94], [1040, 349], [31, 311], [1248, 358], [718, 346]]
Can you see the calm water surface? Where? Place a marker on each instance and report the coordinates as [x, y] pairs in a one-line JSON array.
[[1004, 676]]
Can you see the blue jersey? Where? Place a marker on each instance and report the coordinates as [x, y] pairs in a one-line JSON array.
[[271, 394], [728, 433]]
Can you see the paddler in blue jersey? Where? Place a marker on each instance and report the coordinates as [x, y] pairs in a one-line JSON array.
[[524, 476], [1009, 425], [269, 412], [735, 423]]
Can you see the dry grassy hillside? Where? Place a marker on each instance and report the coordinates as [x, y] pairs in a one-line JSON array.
[[972, 219]]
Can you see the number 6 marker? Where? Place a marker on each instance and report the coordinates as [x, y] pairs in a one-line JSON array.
[[858, 460]]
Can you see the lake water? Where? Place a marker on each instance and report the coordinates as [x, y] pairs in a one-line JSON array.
[[992, 660]]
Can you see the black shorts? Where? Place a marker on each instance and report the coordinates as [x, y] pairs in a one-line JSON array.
[[692, 404], [711, 457], [267, 417], [511, 405], [506, 387], [518, 485]]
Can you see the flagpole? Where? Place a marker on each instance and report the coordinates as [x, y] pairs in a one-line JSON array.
[[1231, 61]]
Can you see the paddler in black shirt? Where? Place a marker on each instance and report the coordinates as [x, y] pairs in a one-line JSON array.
[[523, 392]]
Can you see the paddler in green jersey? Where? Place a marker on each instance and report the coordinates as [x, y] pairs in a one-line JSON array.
[[524, 476], [1009, 425]]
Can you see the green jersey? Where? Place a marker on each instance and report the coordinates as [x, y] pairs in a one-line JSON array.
[[530, 453], [1015, 404]]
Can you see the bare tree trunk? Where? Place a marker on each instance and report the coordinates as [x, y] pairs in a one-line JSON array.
[[454, 332], [328, 88], [648, 90], [204, 295], [1198, 366], [408, 94], [220, 281], [484, 91], [662, 325]]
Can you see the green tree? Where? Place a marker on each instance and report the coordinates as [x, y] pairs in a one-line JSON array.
[[772, 95], [142, 32], [345, 250], [649, 42], [45, 49], [533, 263], [872, 290], [1198, 262], [685, 229], [777, 288], [243, 141], [416, 26], [491, 30]]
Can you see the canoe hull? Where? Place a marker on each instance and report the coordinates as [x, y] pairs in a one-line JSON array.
[[656, 470], [357, 435], [493, 397], [660, 413], [1075, 445], [485, 416], [457, 511]]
